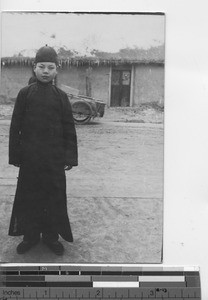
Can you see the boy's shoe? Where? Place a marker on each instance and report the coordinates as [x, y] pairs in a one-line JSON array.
[[25, 246], [56, 247]]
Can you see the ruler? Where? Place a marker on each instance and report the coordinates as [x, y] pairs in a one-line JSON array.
[[98, 282]]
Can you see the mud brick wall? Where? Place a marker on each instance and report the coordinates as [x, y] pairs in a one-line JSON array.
[[13, 78], [147, 82], [148, 85], [76, 78]]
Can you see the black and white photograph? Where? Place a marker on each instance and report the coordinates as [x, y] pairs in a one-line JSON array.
[[82, 137]]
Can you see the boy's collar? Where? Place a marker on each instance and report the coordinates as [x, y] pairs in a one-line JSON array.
[[44, 83]]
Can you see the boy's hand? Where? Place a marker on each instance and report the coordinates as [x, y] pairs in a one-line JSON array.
[[67, 167]]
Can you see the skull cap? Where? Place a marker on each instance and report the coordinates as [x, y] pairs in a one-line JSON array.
[[46, 54]]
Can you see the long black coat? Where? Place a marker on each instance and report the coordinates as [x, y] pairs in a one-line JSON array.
[[42, 140]]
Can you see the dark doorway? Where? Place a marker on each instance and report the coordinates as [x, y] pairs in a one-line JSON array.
[[120, 87]]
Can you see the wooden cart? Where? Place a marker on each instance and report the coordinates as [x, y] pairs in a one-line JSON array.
[[84, 108]]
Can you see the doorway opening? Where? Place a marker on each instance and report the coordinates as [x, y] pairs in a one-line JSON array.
[[120, 87]]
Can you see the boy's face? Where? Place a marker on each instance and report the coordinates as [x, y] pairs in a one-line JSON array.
[[45, 71]]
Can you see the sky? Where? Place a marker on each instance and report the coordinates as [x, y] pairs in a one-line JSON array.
[[81, 32]]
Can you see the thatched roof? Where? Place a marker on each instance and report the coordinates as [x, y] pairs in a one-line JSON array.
[[154, 55]]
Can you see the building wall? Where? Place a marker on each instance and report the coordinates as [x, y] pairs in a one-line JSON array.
[[72, 77], [76, 78], [148, 84], [101, 77], [14, 78]]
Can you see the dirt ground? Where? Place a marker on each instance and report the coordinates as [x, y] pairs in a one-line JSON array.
[[115, 195]]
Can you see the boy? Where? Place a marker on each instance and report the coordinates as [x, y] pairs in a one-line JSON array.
[[43, 144]]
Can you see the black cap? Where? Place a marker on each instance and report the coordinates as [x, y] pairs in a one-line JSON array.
[[46, 54]]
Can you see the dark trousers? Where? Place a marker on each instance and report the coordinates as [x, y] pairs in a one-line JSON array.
[[42, 225]]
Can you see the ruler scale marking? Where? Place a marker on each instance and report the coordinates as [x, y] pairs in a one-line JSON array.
[[93, 282]]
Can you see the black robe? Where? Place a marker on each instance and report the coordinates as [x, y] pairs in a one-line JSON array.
[[42, 140]]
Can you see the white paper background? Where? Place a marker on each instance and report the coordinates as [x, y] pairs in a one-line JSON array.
[[186, 119]]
